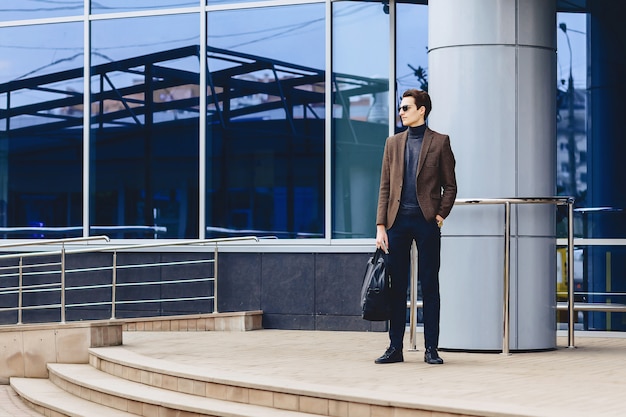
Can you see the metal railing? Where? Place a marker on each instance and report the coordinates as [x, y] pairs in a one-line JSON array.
[[507, 202], [609, 306], [46, 268]]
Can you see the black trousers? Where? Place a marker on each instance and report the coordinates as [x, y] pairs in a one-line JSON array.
[[427, 236]]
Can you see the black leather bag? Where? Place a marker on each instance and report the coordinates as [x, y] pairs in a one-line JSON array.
[[376, 287]]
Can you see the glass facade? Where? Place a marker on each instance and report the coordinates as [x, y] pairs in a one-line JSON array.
[[259, 145]]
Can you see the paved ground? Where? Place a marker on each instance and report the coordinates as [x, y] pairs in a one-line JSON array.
[[589, 380]]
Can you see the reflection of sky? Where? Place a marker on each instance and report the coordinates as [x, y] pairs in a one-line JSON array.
[[289, 33], [111, 6], [26, 51], [117, 39], [293, 34], [411, 44], [360, 39], [35, 9]]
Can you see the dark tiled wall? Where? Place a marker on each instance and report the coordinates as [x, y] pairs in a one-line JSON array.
[[308, 291]]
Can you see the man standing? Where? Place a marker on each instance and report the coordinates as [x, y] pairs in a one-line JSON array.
[[417, 192]]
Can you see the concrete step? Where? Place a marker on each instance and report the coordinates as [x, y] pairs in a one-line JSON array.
[[100, 387], [278, 394], [50, 400]]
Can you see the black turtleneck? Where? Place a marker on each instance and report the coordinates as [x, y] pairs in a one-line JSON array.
[[408, 200]]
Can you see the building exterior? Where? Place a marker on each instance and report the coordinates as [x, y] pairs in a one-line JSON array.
[[268, 118]]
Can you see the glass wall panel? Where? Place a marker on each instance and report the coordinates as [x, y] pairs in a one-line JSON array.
[[144, 141], [590, 154], [572, 112], [41, 96], [360, 114], [571, 139], [411, 50], [265, 122], [118, 6], [36, 9]]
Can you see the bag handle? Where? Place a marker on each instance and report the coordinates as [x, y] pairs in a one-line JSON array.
[[380, 253]]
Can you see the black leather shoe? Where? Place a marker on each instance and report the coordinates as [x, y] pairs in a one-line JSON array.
[[432, 357], [391, 355]]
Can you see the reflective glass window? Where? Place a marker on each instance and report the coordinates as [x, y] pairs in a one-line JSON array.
[[360, 114], [590, 149], [265, 122], [120, 6], [411, 49], [41, 96], [35, 9], [144, 131], [572, 110]]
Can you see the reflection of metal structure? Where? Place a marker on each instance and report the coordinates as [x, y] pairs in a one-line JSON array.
[[137, 105], [241, 76]]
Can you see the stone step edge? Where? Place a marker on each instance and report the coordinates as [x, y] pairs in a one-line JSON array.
[[91, 384], [249, 389], [228, 321], [124, 363], [44, 397]]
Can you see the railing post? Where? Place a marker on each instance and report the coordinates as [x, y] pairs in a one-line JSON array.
[[215, 279], [63, 283], [19, 296], [507, 276], [413, 305], [114, 285], [570, 274]]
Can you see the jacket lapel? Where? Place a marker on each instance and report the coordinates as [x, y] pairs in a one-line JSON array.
[[402, 144], [428, 139]]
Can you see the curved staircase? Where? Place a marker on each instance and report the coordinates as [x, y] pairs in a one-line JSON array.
[[118, 382]]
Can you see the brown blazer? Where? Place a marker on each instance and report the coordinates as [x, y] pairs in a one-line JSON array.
[[436, 180]]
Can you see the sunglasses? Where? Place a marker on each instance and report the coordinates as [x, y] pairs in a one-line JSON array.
[[406, 107]]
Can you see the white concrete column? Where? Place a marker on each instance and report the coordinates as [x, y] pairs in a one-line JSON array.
[[492, 79]]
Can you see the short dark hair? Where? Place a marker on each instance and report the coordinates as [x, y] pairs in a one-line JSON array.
[[421, 99]]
